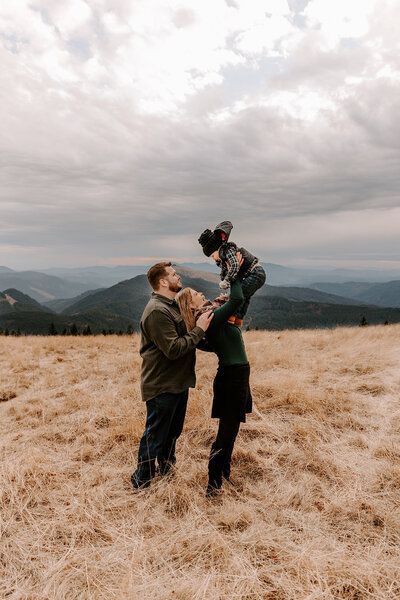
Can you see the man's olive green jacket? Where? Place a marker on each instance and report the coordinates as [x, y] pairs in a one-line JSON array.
[[167, 349]]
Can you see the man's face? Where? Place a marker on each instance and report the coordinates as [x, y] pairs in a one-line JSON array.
[[173, 280], [215, 256]]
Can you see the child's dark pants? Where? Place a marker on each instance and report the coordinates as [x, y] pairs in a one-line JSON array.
[[250, 284]]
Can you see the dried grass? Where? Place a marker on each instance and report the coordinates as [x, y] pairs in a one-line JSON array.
[[314, 513]]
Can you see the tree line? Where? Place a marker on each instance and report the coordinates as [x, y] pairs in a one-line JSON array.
[[86, 330], [72, 329]]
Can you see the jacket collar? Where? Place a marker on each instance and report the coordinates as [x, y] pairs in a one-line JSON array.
[[169, 301]]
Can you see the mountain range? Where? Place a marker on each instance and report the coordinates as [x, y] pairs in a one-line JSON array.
[[105, 276], [120, 306], [13, 301], [40, 286], [66, 283], [381, 294], [21, 313]]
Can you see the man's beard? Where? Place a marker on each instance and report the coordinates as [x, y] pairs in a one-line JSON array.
[[174, 287]]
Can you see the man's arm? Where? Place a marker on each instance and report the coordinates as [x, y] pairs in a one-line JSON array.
[[161, 329]]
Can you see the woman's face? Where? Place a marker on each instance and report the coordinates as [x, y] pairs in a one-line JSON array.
[[198, 299]]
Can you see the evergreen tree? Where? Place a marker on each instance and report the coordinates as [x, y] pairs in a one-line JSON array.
[[74, 329], [18, 332], [64, 331], [52, 329], [386, 323], [129, 329], [87, 330], [363, 322], [6, 332], [104, 332]]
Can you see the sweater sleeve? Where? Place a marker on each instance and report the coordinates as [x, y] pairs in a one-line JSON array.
[[162, 331], [235, 300]]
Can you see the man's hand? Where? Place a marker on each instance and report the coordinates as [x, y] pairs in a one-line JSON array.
[[204, 320]]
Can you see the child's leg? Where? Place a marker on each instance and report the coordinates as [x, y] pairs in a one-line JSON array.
[[250, 284], [241, 312]]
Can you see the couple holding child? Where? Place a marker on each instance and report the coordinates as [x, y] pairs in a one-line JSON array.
[[174, 323]]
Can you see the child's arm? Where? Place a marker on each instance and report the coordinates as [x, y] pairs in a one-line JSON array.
[[232, 267]]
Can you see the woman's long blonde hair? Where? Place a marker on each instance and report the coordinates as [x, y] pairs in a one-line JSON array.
[[184, 300]]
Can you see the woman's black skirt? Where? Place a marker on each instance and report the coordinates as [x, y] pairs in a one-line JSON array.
[[232, 395]]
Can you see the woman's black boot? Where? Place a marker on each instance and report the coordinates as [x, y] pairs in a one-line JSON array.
[[213, 488]]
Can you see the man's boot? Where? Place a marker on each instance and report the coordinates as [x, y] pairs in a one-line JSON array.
[[166, 467], [139, 484], [143, 475]]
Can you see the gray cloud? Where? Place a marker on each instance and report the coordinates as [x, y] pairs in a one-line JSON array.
[[286, 146]]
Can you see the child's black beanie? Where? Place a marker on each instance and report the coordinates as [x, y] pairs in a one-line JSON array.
[[210, 241]]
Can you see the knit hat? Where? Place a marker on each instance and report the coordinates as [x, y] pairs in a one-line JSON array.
[[210, 241], [224, 228]]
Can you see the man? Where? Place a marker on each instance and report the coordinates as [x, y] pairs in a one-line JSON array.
[[168, 354]]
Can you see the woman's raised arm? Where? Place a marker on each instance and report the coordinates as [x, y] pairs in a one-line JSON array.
[[235, 300]]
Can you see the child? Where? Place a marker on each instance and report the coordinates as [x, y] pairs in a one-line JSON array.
[[250, 272]]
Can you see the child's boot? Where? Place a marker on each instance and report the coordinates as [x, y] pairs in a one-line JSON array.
[[232, 320], [238, 322]]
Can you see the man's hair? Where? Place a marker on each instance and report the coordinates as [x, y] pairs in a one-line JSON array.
[[157, 272]]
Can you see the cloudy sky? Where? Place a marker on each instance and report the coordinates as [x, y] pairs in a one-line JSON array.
[[129, 126]]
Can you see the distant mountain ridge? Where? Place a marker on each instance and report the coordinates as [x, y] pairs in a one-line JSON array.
[[58, 305], [19, 312], [277, 274], [12, 300], [380, 294], [63, 283], [126, 295], [124, 300], [303, 294], [120, 306], [40, 286]]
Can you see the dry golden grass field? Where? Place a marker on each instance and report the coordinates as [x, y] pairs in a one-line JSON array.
[[314, 514]]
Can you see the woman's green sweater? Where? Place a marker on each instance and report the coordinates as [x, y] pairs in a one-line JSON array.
[[225, 338]]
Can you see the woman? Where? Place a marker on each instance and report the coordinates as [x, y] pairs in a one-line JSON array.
[[232, 397]]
